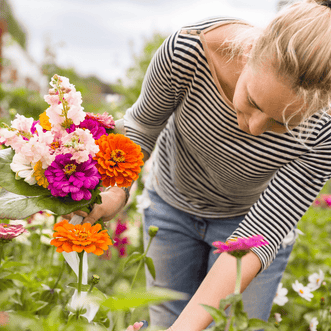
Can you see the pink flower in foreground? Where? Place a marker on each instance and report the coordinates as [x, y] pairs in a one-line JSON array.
[[233, 246], [104, 119], [10, 231]]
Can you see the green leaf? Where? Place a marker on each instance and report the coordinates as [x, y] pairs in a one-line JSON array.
[[134, 257], [17, 186], [218, 316], [255, 324], [15, 206], [141, 297], [19, 277], [150, 265], [10, 264]]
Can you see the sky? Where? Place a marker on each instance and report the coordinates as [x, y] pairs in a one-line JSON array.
[[99, 37]]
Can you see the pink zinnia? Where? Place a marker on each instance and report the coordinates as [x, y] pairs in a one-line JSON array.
[[239, 244], [104, 119], [10, 231]]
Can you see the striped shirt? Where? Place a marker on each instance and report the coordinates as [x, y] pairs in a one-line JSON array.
[[205, 165]]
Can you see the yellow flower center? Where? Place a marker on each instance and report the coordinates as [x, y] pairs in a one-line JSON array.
[[81, 234], [118, 155], [55, 145], [5, 225], [69, 169], [301, 291]]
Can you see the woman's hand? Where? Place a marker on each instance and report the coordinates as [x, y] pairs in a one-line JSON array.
[[136, 326], [113, 201]]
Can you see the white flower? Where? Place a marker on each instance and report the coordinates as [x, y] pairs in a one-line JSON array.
[[280, 298], [23, 168], [303, 291], [278, 318], [291, 237], [313, 323], [315, 280]]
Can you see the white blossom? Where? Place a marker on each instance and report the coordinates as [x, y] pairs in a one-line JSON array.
[[315, 280], [303, 291], [280, 298]]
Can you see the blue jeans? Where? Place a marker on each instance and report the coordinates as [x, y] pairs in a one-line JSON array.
[[182, 252]]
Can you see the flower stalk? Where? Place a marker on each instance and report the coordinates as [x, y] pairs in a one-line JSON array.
[[80, 272]]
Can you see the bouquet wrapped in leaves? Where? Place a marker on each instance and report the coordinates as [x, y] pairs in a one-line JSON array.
[[59, 162]]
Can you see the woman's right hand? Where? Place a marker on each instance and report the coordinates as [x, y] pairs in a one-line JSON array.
[[113, 201], [136, 326]]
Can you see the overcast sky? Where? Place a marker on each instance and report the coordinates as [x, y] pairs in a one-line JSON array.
[[98, 36]]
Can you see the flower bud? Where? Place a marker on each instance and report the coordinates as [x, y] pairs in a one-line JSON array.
[[152, 230], [95, 279], [12, 112]]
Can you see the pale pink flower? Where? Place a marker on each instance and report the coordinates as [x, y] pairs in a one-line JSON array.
[[239, 244], [11, 231], [315, 280], [12, 139], [83, 144], [52, 100], [313, 324], [76, 114], [54, 113], [303, 291], [22, 124], [280, 298]]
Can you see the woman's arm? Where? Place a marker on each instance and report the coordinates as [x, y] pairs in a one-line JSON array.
[[218, 284]]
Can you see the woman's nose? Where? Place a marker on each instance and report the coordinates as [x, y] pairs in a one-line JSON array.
[[258, 124]]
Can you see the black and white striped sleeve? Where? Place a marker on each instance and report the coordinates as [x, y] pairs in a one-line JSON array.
[[288, 196], [148, 116]]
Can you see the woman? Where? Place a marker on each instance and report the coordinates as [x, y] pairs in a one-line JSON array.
[[242, 148]]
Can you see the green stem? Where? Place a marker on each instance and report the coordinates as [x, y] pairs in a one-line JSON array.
[[236, 291], [1, 252], [80, 272], [91, 288], [238, 279], [141, 262], [60, 275]]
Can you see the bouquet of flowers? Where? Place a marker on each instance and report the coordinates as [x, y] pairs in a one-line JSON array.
[[59, 162]]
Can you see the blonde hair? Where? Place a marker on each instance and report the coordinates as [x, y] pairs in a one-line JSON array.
[[297, 45]]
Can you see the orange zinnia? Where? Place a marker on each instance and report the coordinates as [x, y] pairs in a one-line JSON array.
[[69, 238], [119, 160]]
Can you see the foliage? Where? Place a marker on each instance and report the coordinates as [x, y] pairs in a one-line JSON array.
[[13, 26], [21, 101], [130, 90]]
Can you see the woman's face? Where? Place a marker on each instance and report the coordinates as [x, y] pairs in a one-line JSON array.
[[260, 99]]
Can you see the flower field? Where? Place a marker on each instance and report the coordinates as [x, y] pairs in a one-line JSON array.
[[37, 285]]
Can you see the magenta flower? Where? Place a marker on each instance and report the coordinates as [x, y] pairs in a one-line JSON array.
[[10, 231], [233, 246], [66, 176], [104, 119], [120, 242], [323, 201], [96, 129]]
